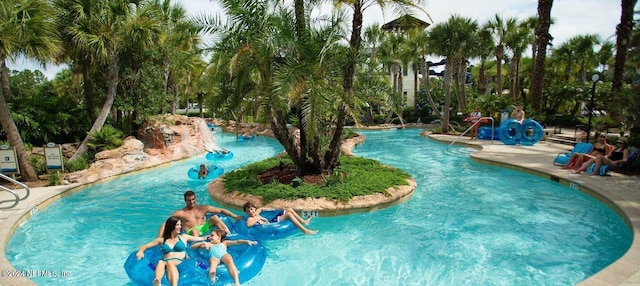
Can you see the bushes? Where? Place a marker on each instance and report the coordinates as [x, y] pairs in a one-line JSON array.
[[106, 138], [355, 177]]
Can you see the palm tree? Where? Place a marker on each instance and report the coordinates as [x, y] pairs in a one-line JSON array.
[[483, 50], [358, 7], [453, 40], [103, 31], [28, 28], [177, 42], [517, 41], [585, 53], [623, 38], [419, 40], [542, 40], [500, 29]]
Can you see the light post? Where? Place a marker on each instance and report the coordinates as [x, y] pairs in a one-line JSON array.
[[594, 78]]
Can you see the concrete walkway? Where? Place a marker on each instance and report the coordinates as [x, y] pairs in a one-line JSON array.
[[619, 192]]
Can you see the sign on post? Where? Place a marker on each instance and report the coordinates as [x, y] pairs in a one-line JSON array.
[[8, 160], [53, 156]]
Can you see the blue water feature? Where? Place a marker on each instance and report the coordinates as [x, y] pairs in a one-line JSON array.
[[466, 224]]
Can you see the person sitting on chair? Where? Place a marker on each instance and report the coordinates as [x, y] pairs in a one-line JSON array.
[[599, 148], [617, 157]]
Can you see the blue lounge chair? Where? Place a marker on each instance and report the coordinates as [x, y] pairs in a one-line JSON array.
[[633, 153], [581, 148]]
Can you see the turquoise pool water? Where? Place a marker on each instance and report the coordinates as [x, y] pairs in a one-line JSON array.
[[466, 224]]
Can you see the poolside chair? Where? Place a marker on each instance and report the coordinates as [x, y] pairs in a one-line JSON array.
[[581, 148], [633, 153]]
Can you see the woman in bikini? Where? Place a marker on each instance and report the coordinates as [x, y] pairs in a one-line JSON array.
[[174, 247], [617, 157], [217, 247], [599, 148]]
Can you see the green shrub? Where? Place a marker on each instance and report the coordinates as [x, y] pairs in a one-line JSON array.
[[55, 179], [39, 164], [106, 138], [355, 177], [76, 165]]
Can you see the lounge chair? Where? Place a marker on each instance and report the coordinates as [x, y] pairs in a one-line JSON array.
[[633, 153], [581, 148]]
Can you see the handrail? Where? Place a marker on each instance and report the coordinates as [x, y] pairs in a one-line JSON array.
[[17, 183], [15, 202], [474, 124]]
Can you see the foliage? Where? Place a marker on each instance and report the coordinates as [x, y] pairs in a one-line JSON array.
[[39, 164], [106, 138], [46, 117], [55, 179], [76, 165], [354, 177]]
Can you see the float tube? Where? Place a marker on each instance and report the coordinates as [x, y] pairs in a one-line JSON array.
[[532, 132], [267, 231], [510, 131], [484, 132], [214, 172], [212, 156], [245, 138], [528, 133], [195, 270]]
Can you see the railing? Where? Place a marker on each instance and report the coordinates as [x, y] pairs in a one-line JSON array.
[[18, 198], [472, 125]]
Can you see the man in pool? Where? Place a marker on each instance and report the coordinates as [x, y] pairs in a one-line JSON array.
[[193, 216]]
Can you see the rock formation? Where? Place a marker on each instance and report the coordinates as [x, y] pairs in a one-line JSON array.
[[162, 140]]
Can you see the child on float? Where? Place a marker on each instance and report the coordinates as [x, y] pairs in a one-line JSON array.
[[254, 217], [203, 172], [217, 245]]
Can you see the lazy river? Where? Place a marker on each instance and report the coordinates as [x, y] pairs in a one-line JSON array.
[[466, 224]]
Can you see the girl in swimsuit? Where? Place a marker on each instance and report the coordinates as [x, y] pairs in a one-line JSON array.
[[217, 247], [617, 157], [173, 246], [600, 148], [288, 213]]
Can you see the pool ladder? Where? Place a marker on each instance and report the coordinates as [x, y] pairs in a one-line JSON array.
[[476, 123], [17, 197]]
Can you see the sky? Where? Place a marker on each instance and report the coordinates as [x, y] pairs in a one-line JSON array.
[[572, 17]]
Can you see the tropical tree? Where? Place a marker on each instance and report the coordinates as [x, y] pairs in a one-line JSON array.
[[542, 40], [500, 30], [483, 49], [453, 40], [28, 29], [623, 38], [516, 41], [392, 54], [355, 40], [103, 33]]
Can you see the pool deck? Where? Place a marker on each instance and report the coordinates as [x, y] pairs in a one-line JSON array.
[[619, 192]]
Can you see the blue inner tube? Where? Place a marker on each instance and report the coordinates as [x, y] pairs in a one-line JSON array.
[[214, 172], [268, 231], [484, 132], [195, 270], [532, 132], [212, 156], [510, 132], [245, 138]]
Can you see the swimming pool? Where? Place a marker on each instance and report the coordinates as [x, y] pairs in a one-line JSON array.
[[466, 223]]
